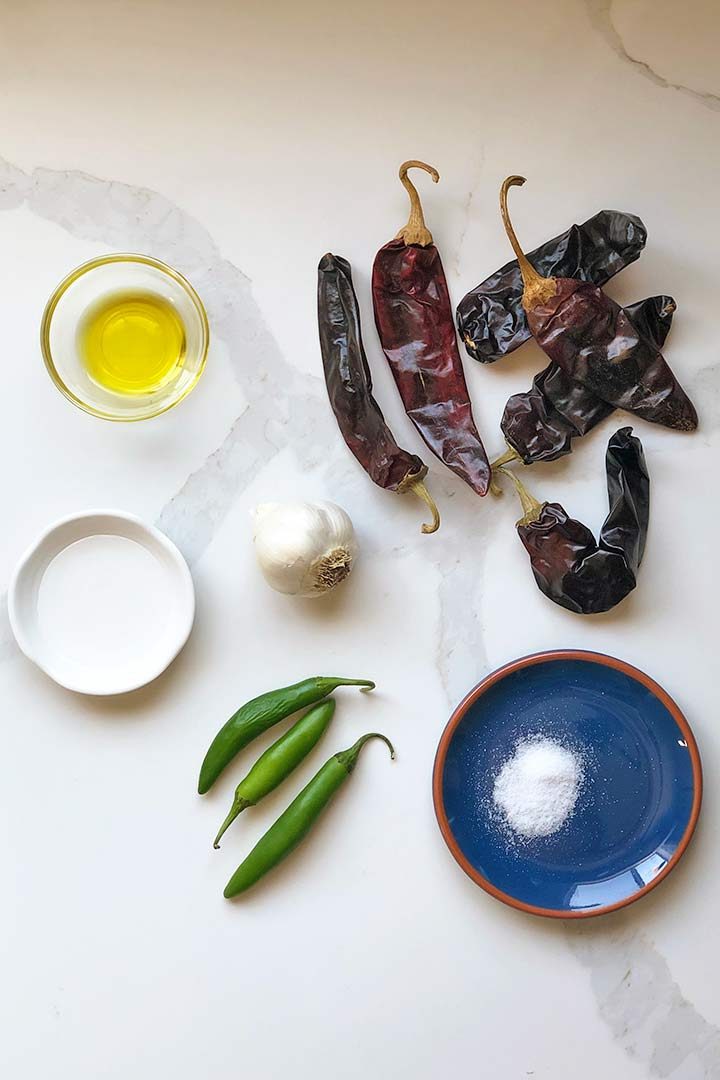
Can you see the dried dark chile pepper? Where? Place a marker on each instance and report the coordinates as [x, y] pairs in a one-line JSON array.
[[593, 341], [491, 319], [570, 566], [349, 385], [653, 317], [536, 430], [540, 424], [417, 332]]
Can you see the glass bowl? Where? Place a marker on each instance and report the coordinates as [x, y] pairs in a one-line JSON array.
[[84, 288]]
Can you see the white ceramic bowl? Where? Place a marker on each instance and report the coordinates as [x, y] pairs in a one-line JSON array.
[[102, 602]]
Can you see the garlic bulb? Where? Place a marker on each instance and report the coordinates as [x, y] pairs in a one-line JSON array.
[[304, 549]]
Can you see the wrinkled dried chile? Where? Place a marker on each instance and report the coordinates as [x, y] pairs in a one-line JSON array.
[[349, 385], [540, 424], [491, 319], [593, 341], [570, 567], [415, 323]]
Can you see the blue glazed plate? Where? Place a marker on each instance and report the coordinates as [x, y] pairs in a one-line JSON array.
[[639, 801]]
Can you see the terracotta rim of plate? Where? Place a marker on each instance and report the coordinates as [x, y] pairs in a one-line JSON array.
[[530, 661]]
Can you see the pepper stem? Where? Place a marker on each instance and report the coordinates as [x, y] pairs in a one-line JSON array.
[[366, 685], [494, 488], [418, 488], [237, 807], [531, 507], [416, 231], [507, 458], [348, 758], [536, 288]]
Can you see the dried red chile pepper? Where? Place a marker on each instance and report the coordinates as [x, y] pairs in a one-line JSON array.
[[349, 385], [415, 323], [491, 319], [570, 566], [540, 424], [593, 341]]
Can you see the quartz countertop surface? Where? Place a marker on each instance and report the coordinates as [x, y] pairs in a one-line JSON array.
[[239, 142]]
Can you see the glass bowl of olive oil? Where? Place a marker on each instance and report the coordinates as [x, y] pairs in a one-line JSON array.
[[125, 337]]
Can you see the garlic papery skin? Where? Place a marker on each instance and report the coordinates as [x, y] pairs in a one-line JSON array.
[[304, 549]]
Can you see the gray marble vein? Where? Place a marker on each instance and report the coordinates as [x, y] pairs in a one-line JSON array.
[[286, 409], [467, 209], [284, 406], [642, 1004], [461, 655], [600, 13], [135, 218]]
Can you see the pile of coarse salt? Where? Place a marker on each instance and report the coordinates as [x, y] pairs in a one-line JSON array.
[[538, 787]]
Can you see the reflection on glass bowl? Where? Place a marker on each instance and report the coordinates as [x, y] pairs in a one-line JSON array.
[[124, 337]]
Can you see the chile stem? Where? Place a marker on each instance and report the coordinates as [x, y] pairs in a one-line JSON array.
[[348, 758], [418, 488], [507, 458], [236, 808], [536, 288], [366, 685], [531, 507], [416, 231]]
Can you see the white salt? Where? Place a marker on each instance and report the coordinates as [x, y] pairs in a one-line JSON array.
[[538, 787]]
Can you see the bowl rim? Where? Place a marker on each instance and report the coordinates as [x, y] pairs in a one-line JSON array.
[[530, 661], [185, 620], [70, 279]]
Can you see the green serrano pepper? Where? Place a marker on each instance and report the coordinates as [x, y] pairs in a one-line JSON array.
[[272, 767], [296, 822], [259, 715]]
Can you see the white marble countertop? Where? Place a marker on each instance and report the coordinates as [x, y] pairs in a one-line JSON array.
[[239, 142]]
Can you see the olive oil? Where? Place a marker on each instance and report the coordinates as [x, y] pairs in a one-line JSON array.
[[131, 342]]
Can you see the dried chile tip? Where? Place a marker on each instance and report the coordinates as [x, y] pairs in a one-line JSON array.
[[330, 261]]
